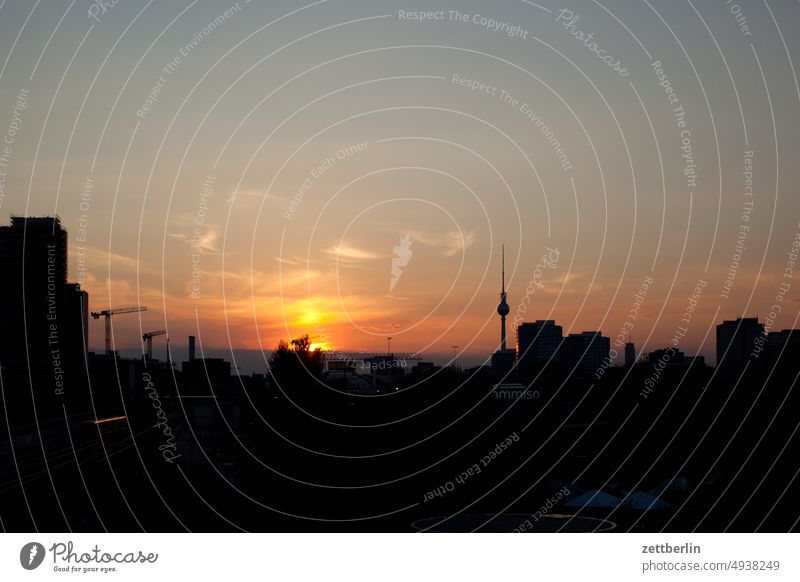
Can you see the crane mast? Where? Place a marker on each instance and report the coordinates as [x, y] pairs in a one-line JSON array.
[[148, 337], [108, 313]]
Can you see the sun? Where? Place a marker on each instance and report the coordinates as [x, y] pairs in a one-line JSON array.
[[308, 314], [309, 317]]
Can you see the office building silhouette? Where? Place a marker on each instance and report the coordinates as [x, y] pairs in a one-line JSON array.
[[582, 354], [537, 344], [630, 353], [44, 335], [736, 343]]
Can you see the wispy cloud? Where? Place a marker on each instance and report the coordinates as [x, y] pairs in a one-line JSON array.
[[345, 252], [451, 243], [101, 260], [207, 242], [243, 197]]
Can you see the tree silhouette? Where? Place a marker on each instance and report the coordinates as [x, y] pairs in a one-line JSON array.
[[295, 362]]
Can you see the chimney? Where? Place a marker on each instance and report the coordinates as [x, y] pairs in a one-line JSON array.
[[191, 348]]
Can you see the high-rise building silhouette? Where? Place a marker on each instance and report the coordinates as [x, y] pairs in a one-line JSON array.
[[736, 342], [77, 319], [44, 335], [582, 354], [33, 255], [630, 353], [537, 345]]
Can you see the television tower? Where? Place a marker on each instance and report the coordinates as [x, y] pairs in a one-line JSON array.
[[503, 309]]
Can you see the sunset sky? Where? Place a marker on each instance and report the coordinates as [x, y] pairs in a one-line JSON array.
[[290, 147]]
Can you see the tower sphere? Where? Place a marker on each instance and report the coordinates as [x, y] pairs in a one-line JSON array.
[[503, 309]]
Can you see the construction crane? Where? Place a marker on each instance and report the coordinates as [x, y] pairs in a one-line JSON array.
[[107, 313], [148, 337]]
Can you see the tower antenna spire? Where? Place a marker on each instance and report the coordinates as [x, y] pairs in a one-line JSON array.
[[503, 254], [503, 309]]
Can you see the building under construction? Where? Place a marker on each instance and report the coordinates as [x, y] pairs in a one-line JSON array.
[[44, 331]]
